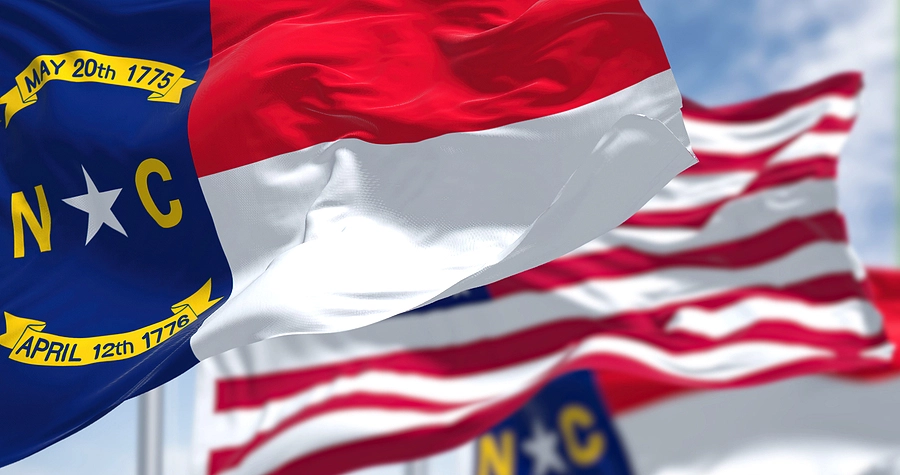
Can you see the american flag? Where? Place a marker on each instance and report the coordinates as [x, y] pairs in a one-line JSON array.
[[738, 272], [835, 423]]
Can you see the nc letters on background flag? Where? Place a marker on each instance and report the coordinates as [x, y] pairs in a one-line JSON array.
[[185, 176]]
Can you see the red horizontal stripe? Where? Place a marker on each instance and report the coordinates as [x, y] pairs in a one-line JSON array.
[[689, 218], [834, 124], [821, 168], [487, 354], [288, 74], [846, 85], [753, 250], [624, 391]]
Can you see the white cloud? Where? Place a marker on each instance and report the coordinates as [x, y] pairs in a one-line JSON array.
[[800, 42]]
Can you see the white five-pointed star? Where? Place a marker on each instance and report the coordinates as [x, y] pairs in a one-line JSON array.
[[98, 206], [541, 447]]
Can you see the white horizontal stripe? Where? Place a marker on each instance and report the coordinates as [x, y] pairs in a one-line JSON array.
[[852, 315], [438, 466], [597, 298], [813, 144], [688, 191], [884, 351], [740, 218], [344, 234], [721, 364], [754, 136], [802, 426], [349, 425]]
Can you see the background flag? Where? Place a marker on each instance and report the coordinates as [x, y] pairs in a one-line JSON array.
[[563, 429], [841, 424], [738, 272], [188, 176]]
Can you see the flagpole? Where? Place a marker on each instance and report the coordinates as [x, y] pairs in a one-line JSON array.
[[150, 433], [416, 467]]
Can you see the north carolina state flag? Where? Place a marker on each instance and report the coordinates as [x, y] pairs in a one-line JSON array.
[[188, 176]]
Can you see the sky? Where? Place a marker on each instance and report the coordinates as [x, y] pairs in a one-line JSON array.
[[721, 52]]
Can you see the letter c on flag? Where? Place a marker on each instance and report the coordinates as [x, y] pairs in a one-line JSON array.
[[147, 167], [573, 417]]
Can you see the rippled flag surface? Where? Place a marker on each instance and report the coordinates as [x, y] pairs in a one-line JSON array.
[[842, 423], [738, 272], [188, 176]]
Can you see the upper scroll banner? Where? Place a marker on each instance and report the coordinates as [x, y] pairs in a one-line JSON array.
[[164, 81]]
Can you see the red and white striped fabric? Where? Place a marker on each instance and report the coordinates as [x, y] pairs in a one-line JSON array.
[[739, 271], [389, 153], [835, 424]]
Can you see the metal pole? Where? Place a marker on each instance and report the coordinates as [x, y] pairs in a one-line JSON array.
[[150, 433], [416, 467]]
